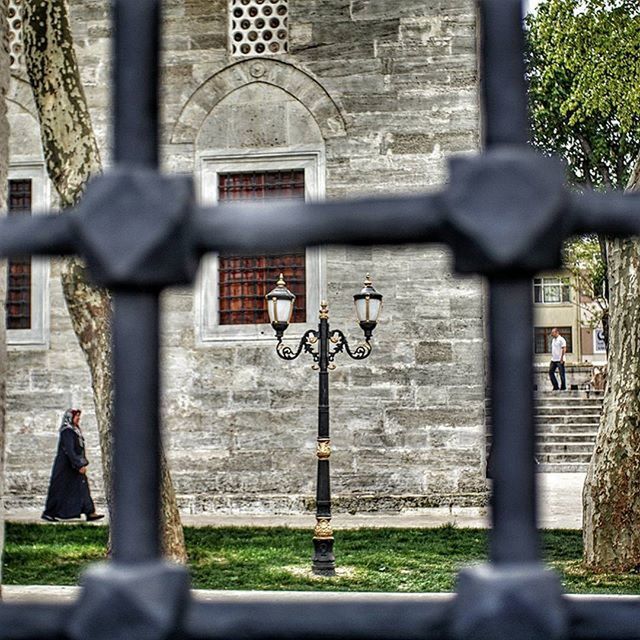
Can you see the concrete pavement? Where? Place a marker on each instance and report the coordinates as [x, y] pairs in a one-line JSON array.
[[560, 499]]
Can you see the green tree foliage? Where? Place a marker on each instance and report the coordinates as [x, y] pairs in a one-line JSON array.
[[583, 65], [582, 257]]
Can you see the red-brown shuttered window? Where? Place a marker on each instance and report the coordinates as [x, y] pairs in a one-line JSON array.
[[18, 312], [244, 280]]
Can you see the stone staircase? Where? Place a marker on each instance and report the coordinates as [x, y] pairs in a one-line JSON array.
[[567, 424]]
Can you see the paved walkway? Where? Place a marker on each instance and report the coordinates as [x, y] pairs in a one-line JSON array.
[[55, 594], [560, 508]]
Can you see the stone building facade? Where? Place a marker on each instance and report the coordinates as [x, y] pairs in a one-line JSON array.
[[4, 159], [359, 97]]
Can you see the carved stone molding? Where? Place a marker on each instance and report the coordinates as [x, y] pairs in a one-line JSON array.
[[297, 83]]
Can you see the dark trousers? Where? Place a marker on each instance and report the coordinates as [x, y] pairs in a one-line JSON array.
[[552, 375]]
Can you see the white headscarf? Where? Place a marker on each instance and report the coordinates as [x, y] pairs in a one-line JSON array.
[[68, 423]]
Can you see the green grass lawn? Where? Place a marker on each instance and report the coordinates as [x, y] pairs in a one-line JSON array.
[[279, 558]]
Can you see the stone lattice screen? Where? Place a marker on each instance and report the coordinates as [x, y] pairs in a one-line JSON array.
[[258, 27], [16, 51]]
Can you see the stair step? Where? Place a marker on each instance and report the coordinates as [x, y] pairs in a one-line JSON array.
[[564, 458], [562, 467], [567, 437], [546, 410], [559, 427], [570, 448], [568, 418], [567, 425], [562, 404], [573, 429]]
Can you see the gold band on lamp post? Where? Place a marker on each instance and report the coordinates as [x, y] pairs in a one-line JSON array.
[[323, 449], [323, 528]]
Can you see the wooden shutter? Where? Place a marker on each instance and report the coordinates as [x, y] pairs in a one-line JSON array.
[[18, 313], [243, 281]]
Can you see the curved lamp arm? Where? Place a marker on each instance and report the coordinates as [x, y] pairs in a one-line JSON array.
[[307, 341], [341, 343]]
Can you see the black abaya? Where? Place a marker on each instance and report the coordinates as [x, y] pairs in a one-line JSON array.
[[69, 495]]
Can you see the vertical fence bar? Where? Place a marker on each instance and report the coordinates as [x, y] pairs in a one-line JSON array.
[[135, 526], [504, 95], [514, 536], [136, 55], [136, 464], [504, 91]]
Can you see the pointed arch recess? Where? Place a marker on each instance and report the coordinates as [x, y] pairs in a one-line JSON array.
[[300, 85], [21, 95]]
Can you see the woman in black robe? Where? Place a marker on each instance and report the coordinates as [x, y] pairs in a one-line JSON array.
[[69, 495]]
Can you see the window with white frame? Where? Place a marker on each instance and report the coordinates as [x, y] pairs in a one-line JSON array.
[[552, 290], [27, 300], [231, 288]]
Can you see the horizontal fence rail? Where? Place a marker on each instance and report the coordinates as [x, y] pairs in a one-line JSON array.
[[504, 214], [590, 618]]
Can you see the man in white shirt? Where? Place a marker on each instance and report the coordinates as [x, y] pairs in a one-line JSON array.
[[558, 350]]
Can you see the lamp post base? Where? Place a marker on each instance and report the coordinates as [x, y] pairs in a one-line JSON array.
[[324, 562]]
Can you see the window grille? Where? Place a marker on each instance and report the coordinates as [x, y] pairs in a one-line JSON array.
[[18, 313], [258, 27], [554, 290], [243, 281], [16, 51], [542, 338]]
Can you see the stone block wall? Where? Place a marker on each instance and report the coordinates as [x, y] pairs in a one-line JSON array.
[[382, 92], [4, 160]]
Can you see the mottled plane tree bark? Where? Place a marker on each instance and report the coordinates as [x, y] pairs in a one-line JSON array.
[[611, 497], [72, 157]]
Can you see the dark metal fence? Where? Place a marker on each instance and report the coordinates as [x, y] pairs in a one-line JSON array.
[[504, 214]]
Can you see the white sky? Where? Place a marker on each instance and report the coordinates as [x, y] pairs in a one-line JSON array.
[[530, 4]]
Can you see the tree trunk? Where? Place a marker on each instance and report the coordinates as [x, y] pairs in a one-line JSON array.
[[4, 164], [72, 157], [611, 496]]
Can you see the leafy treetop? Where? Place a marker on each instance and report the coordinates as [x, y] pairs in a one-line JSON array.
[[583, 63]]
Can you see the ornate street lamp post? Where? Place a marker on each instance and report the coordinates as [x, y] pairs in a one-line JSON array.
[[323, 345]]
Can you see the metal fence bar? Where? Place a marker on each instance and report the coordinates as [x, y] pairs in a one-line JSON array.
[[513, 537], [517, 600], [604, 618], [591, 618], [34, 620], [136, 464], [504, 92], [273, 225], [136, 53], [613, 214], [135, 526], [42, 235], [365, 620]]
